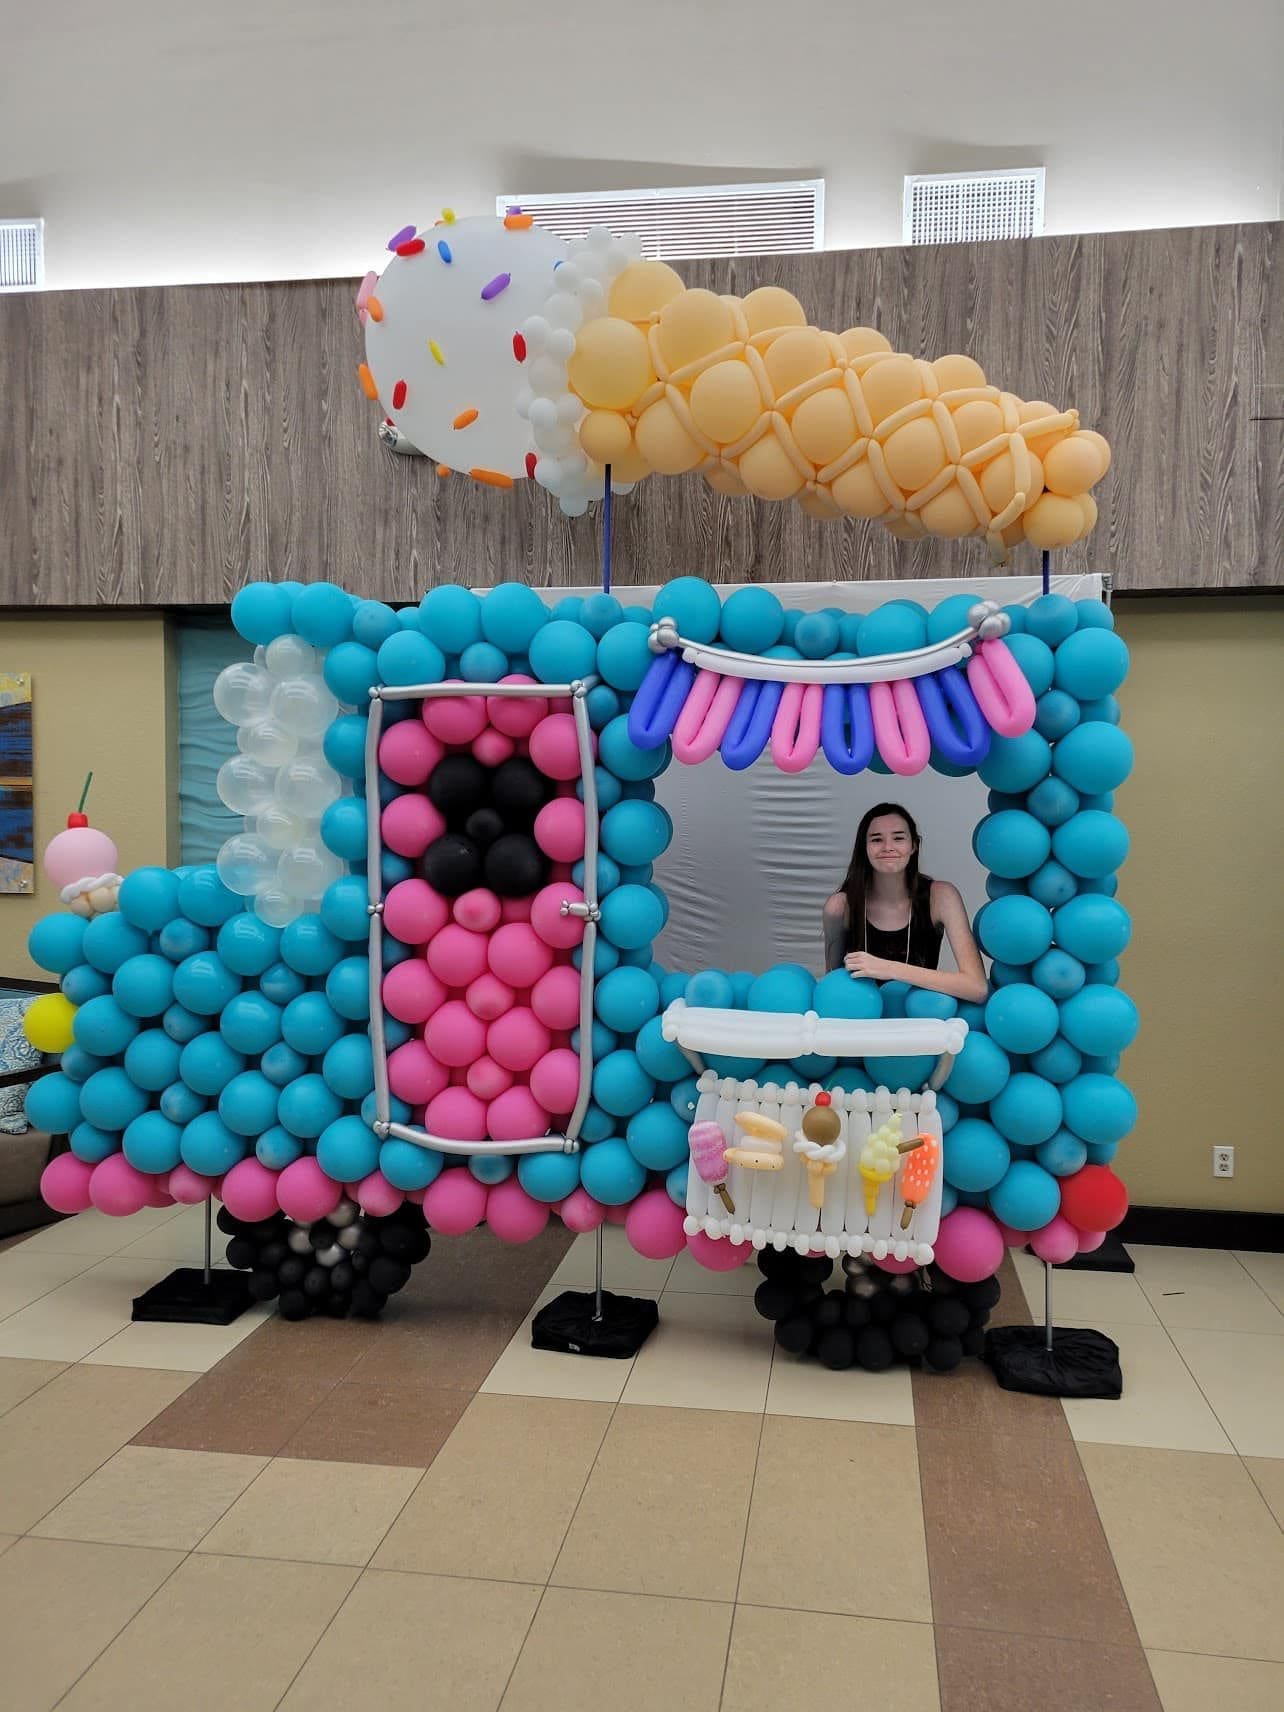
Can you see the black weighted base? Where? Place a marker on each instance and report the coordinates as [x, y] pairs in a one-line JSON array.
[[1112, 1256], [567, 1326], [185, 1299], [1081, 1363]]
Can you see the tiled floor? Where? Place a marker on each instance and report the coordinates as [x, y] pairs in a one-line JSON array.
[[426, 1511]]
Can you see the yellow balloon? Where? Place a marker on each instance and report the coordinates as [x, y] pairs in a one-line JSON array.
[[858, 493], [1088, 505], [604, 436], [824, 426], [998, 481], [889, 386], [949, 514], [611, 364], [725, 401], [796, 356], [819, 505], [693, 326], [664, 442], [47, 1023], [915, 454], [1072, 465], [630, 466], [724, 480], [860, 341], [1053, 522], [1101, 443], [977, 422], [954, 372], [767, 471], [642, 290], [771, 306]]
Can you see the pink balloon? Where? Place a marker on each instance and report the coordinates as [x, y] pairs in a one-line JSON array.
[[555, 997], [157, 1194], [414, 1075], [488, 997], [1012, 1238], [79, 853], [411, 992], [492, 748], [518, 1039], [617, 1215], [457, 956], [515, 909], [249, 1190], [455, 1202], [375, 1195], [116, 1188], [653, 1225], [487, 1079], [410, 824], [516, 716], [189, 1187], [889, 1263], [518, 955], [555, 748], [416, 1195], [512, 1215], [580, 1212], [718, 1254], [516, 1116], [408, 753], [554, 928], [1057, 1242], [454, 1035], [413, 911], [304, 1192], [555, 1080], [456, 1114], [64, 1183], [456, 718], [559, 829], [1090, 1240], [479, 910], [969, 1245]]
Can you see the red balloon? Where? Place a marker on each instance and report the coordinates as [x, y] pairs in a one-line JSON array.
[[1094, 1199]]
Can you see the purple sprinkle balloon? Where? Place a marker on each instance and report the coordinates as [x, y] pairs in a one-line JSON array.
[[402, 237], [493, 287]]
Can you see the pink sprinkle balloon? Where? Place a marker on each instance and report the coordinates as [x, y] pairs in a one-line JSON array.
[[516, 716], [555, 997], [653, 1225], [492, 748], [304, 1192], [456, 718], [488, 1080], [518, 1039], [64, 1183], [559, 829], [410, 824], [454, 1035], [189, 1187], [518, 955], [969, 1245], [515, 909], [455, 1202], [555, 1081], [413, 911], [376, 1196], [554, 928], [580, 1212], [488, 997], [249, 1191], [555, 747], [79, 853], [116, 1188], [889, 1263], [414, 1075], [457, 956], [718, 1255], [456, 1114], [478, 910], [411, 992], [516, 1116], [1057, 1242], [512, 1215], [408, 752]]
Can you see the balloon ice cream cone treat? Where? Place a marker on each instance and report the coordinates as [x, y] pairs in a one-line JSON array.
[[921, 1166], [880, 1159], [766, 1148], [820, 1146], [708, 1147], [81, 862]]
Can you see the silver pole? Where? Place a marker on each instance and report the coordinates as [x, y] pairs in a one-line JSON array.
[[597, 1288], [209, 1239], [1047, 1307]]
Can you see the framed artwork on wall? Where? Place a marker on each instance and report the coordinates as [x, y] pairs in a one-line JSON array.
[[17, 828]]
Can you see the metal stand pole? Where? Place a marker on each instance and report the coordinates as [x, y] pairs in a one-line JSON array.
[[1047, 1306], [209, 1218], [597, 1287]]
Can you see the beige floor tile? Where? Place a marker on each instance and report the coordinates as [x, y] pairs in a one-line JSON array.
[[525, 1372], [1199, 1554], [708, 1352], [313, 1512], [499, 1497], [94, 1233], [149, 1497], [623, 1268], [805, 1658], [67, 1429], [1242, 1376], [1267, 1270], [61, 1603], [223, 1633], [153, 1343], [666, 1505], [443, 1642], [836, 1521], [180, 1240], [68, 1322], [688, 1275], [7, 1540], [1203, 1288], [800, 1385], [1268, 1473], [1161, 1406], [1189, 1682], [26, 1277], [1083, 1298], [587, 1651], [19, 1378]]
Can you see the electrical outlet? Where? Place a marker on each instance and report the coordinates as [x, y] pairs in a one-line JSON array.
[[1223, 1162]]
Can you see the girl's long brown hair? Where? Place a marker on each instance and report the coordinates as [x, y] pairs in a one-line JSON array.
[[855, 884]]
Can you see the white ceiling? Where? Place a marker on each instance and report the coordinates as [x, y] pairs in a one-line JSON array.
[[262, 139]]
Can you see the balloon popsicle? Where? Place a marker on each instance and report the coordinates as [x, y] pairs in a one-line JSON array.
[[920, 1169], [708, 1147]]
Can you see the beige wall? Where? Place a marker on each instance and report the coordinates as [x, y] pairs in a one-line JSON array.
[[101, 698], [1204, 704]]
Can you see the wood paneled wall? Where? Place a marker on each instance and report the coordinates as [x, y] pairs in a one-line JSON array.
[[168, 445]]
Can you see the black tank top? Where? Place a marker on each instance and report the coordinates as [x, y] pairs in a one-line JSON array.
[[924, 941]]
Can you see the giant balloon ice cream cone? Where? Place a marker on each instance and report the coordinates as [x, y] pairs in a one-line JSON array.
[[82, 862]]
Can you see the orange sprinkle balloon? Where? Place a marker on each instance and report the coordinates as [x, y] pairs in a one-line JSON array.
[[367, 380], [491, 478], [465, 419], [374, 308]]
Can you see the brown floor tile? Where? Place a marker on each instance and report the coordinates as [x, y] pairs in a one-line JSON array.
[[449, 1346], [7, 1540], [401, 1426], [1191, 1682], [477, 1269], [255, 1416], [300, 1349], [20, 1377], [982, 1671], [1014, 1542], [784, 1659]]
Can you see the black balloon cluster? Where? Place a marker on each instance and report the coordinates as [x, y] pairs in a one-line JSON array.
[[878, 1318], [347, 1264], [489, 813]]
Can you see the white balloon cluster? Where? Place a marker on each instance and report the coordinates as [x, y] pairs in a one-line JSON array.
[[580, 286], [279, 780]]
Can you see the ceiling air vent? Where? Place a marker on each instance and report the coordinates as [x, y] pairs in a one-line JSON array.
[[704, 220], [970, 207], [22, 255]]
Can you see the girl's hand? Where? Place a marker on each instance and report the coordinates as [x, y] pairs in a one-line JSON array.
[[860, 964]]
